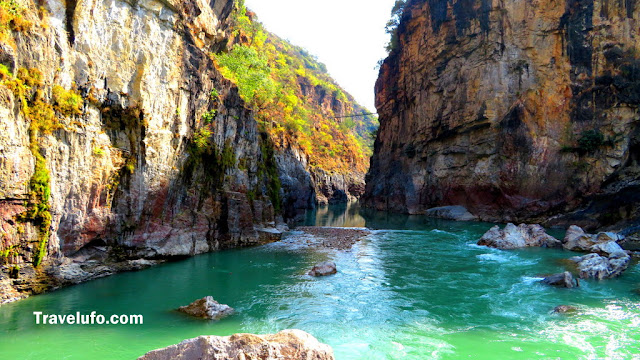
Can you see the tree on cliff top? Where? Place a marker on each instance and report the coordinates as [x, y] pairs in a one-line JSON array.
[[392, 25]]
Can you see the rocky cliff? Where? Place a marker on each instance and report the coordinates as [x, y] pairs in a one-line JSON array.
[[322, 149], [517, 110], [121, 140]]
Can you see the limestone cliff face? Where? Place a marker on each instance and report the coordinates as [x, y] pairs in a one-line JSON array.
[[516, 109], [128, 170]]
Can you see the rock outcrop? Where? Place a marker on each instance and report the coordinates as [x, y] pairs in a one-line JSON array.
[[305, 187], [594, 266], [516, 110], [561, 280], [516, 237], [207, 308], [285, 345], [605, 243], [324, 269]]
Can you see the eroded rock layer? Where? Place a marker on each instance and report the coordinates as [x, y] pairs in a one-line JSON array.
[[517, 110]]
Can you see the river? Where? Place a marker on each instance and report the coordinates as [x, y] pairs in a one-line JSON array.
[[416, 288]]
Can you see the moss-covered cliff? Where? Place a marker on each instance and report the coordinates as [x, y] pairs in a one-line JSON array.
[[517, 110]]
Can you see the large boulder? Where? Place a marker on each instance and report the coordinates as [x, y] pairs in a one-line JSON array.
[[577, 240], [324, 269], [561, 280], [594, 266], [285, 345], [456, 212], [516, 237], [207, 308]]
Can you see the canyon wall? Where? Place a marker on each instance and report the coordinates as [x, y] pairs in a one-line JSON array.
[[120, 140], [518, 110]]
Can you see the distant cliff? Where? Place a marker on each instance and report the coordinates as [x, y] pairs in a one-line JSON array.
[[517, 110], [322, 148]]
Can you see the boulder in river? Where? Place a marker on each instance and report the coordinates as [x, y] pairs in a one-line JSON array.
[[324, 269], [207, 308], [516, 237], [577, 240], [457, 213], [606, 248], [564, 279], [285, 345], [594, 266]]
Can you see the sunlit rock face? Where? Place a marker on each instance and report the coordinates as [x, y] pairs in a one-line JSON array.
[[123, 172], [517, 110], [285, 345]]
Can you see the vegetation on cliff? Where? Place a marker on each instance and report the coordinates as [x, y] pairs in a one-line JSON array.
[[295, 99], [392, 25], [27, 87]]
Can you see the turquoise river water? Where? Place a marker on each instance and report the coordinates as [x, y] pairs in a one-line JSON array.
[[414, 289]]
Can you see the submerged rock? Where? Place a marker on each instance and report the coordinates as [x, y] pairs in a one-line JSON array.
[[285, 345], [457, 213], [564, 309], [562, 280], [594, 266], [207, 308], [516, 237], [324, 269]]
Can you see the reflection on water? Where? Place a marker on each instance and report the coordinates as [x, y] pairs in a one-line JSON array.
[[340, 215], [353, 215]]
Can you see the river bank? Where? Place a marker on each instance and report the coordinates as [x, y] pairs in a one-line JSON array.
[[415, 288]]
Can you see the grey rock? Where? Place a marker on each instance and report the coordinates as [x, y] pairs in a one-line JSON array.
[[324, 269], [516, 237], [606, 248], [605, 242], [561, 280], [285, 345], [456, 212], [207, 308], [594, 266]]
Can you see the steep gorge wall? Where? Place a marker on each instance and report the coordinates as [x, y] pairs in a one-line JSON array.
[[135, 170], [305, 186], [518, 110]]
